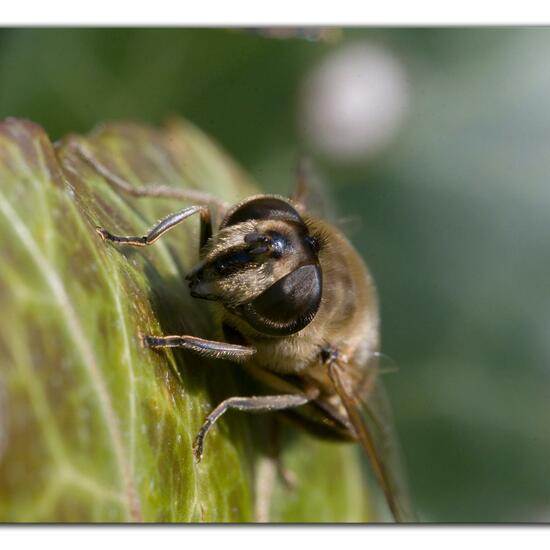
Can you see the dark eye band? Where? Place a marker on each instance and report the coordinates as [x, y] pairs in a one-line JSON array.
[[233, 262]]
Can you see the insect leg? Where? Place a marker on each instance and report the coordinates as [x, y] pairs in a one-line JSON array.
[[151, 190], [259, 404], [289, 479], [269, 466], [200, 346], [266, 475], [164, 226]]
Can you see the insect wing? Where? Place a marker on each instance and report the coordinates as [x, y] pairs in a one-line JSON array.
[[311, 192], [376, 408], [372, 420]]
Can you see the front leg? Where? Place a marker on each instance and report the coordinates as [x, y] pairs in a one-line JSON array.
[[167, 223], [205, 348], [153, 190]]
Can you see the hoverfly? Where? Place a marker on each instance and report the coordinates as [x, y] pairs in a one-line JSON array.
[[297, 307]]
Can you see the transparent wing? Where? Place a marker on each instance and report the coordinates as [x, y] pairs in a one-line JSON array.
[[314, 197], [372, 420], [377, 409], [311, 193]]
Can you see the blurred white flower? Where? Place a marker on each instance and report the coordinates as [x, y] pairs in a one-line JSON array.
[[353, 102]]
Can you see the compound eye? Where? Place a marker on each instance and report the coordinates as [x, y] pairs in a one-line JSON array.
[[288, 305], [262, 208]]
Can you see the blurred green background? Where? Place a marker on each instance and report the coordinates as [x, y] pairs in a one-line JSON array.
[[449, 207]]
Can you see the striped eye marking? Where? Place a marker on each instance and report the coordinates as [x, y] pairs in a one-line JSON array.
[[234, 262]]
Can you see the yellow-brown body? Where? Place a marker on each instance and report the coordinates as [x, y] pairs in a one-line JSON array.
[[347, 316]]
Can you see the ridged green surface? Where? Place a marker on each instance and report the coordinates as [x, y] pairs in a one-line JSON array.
[[92, 426]]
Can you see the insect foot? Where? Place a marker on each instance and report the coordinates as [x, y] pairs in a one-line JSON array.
[[103, 233], [145, 340], [198, 444]]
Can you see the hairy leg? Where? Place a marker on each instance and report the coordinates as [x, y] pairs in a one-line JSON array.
[[265, 477], [151, 190], [289, 479], [200, 346], [256, 404], [167, 223], [268, 468]]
